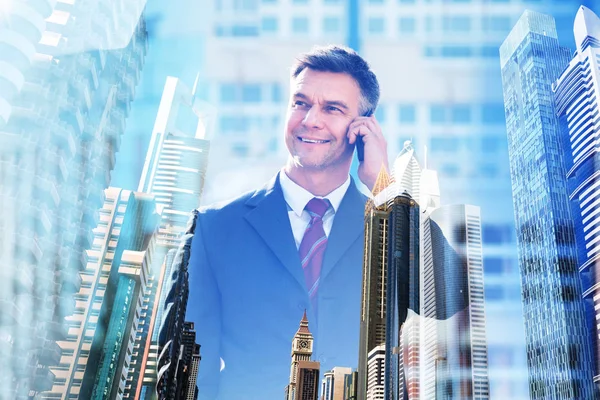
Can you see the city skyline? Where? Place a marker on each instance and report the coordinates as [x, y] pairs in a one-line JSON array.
[[559, 354], [68, 103]]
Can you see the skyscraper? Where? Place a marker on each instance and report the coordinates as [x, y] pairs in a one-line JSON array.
[[454, 347], [115, 276], [174, 173], [57, 150], [577, 99], [350, 390], [558, 354], [390, 283], [332, 385], [303, 378], [376, 374]]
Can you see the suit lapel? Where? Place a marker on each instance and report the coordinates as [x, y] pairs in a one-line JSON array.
[[348, 224], [270, 219]]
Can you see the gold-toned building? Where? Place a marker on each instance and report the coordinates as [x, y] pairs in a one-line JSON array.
[[390, 283]]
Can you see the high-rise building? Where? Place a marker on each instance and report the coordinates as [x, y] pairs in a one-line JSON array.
[[110, 295], [57, 151], [185, 381], [577, 99], [174, 173], [332, 385], [376, 374], [192, 389], [302, 348], [390, 284], [350, 390], [307, 385], [558, 354], [454, 346], [19, 41]]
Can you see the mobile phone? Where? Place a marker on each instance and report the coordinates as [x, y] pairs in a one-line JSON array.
[[360, 145]]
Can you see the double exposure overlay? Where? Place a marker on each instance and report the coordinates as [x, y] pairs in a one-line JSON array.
[[466, 270]]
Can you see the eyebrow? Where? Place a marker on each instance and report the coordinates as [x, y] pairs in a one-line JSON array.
[[336, 103]]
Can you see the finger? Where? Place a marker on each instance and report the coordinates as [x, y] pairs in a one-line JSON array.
[[355, 130]]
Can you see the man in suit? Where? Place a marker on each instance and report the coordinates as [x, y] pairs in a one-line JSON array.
[[296, 244]]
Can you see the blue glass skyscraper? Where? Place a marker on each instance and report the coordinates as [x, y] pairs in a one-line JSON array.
[[577, 100], [558, 353]]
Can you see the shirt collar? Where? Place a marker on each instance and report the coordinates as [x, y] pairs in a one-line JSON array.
[[297, 197]]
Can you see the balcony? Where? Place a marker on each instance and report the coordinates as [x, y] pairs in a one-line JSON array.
[[57, 330], [47, 191], [85, 238], [23, 278], [50, 353], [63, 306], [43, 379], [69, 280], [73, 117], [10, 313]]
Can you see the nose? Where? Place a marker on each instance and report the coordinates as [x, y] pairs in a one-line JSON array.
[[313, 118]]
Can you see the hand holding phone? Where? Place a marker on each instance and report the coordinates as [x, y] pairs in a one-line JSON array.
[[360, 145], [371, 147]]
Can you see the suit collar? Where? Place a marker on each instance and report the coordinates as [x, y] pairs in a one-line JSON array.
[[269, 217]]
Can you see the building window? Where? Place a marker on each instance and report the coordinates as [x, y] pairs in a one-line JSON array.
[[407, 25], [244, 30], [251, 93], [456, 51], [407, 1], [269, 24], [232, 123], [493, 292], [461, 114], [300, 1], [300, 25], [376, 25], [494, 23], [228, 93], [276, 93], [444, 143], [380, 113], [490, 144], [437, 114], [492, 113], [456, 23], [331, 24], [449, 170], [407, 114]]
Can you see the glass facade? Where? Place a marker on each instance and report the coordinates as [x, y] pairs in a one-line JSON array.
[[558, 353], [577, 106]]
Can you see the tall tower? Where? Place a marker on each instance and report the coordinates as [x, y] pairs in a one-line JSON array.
[[578, 84], [174, 173], [57, 151], [454, 347], [390, 285], [302, 347], [531, 60], [332, 385]]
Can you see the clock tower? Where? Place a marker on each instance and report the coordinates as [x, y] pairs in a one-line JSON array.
[[302, 371]]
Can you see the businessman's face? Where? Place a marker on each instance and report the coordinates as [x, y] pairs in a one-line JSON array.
[[322, 106]]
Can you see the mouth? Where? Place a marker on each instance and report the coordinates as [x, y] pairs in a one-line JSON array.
[[312, 141]]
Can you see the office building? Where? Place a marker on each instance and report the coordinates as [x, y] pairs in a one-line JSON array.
[[350, 390], [304, 373], [57, 150], [558, 352], [390, 284], [109, 298], [376, 373], [174, 173], [454, 350], [577, 101], [192, 389], [333, 383]]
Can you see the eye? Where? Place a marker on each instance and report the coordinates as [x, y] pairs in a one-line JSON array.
[[333, 109], [299, 104]]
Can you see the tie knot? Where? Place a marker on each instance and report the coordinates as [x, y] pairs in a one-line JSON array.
[[317, 207]]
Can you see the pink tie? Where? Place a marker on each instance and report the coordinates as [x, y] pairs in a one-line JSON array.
[[312, 247]]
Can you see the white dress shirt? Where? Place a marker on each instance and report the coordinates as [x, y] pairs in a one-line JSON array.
[[297, 197]]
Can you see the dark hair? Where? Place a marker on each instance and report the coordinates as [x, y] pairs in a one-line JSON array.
[[341, 59]]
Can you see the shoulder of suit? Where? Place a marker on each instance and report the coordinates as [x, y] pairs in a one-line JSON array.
[[228, 208]]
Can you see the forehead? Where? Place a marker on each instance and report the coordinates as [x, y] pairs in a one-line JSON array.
[[329, 86]]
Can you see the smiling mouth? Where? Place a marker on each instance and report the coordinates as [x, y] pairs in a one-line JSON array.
[[313, 141]]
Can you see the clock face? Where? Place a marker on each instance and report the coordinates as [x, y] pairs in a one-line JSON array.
[[303, 344]]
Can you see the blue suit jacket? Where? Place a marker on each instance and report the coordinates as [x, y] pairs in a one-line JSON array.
[[247, 293]]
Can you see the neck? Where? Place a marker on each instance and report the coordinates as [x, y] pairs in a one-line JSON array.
[[317, 182]]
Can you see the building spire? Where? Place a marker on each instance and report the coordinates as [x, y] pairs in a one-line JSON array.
[[304, 324], [382, 182]]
